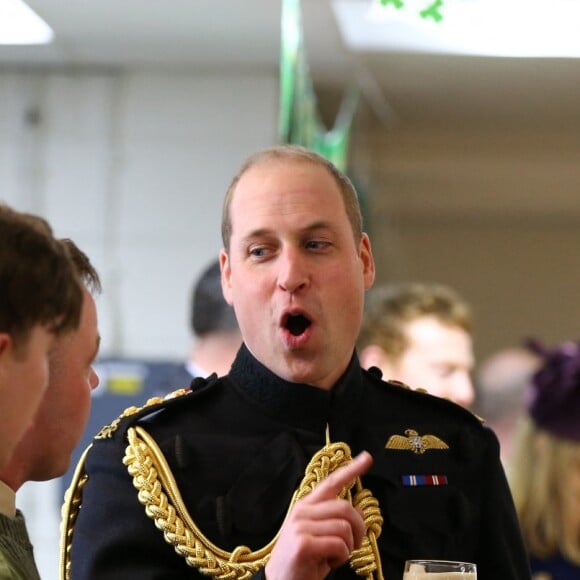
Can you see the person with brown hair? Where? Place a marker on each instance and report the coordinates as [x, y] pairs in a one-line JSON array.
[[420, 334], [45, 450], [297, 464], [544, 473], [215, 335], [40, 298]]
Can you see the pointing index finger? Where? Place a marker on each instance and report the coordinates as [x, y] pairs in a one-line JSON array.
[[343, 476]]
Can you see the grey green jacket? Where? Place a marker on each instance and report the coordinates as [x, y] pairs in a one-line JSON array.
[[16, 553]]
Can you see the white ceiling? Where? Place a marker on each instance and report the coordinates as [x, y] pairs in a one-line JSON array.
[[196, 33], [228, 34]]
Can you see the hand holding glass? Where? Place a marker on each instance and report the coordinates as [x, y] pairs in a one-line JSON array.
[[439, 570]]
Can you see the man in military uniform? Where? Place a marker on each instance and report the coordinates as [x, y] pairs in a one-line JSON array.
[[251, 474]]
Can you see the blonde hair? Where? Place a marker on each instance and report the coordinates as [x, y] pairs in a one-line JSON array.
[[390, 308], [538, 475]]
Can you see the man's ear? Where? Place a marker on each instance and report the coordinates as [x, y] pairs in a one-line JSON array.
[[226, 276], [368, 262], [6, 342]]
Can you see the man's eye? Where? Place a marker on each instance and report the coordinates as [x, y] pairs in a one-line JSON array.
[[258, 252], [445, 370], [317, 244]]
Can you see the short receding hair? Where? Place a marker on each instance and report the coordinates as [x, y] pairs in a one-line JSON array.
[[38, 282], [295, 154], [390, 308]]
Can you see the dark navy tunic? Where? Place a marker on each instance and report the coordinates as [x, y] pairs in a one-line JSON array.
[[238, 447]]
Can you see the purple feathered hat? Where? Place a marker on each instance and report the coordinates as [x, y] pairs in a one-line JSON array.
[[554, 402]]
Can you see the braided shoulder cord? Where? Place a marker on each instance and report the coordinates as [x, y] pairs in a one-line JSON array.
[[158, 492], [73, 495], [69, 513]]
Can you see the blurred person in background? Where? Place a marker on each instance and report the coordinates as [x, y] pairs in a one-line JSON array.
[[44, 452], [501, 384], [215, 331], [40, 298], [420, 334], [545, 471], [126, 382]]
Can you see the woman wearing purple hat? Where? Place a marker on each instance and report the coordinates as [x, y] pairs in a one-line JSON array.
[[545, 473]]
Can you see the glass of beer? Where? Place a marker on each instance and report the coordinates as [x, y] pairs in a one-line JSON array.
[[439, 570]]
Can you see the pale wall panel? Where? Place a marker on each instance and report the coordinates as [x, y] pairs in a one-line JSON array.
[[183, 139], [521, 281], [134, 167]]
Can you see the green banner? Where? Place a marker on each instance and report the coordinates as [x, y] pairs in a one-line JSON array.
[[299, 121]]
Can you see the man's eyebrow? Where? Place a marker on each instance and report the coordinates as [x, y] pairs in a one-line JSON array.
[[257, 233], [317, 225]]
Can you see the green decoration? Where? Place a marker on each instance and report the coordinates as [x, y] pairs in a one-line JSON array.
[[433, 11], [299, 121], [397, 3], [289, 50]]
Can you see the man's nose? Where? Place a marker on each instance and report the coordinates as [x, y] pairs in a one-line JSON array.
[[293, 274]]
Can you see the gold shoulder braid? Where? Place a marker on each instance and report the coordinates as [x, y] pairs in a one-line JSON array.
[[73, 495], [69, 513], [108, 430], [158, 492]]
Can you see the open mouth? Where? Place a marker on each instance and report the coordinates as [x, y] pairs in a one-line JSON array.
[[296, 324]]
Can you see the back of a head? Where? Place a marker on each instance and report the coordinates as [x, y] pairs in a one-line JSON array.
[[38, 283], [554, 398], [501, 383], [389, 308], [210, 313]]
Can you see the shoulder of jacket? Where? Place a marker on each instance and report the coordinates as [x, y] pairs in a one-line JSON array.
[[131, 415], [441, 402]]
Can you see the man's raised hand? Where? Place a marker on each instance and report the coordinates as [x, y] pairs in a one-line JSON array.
[[321, 530]]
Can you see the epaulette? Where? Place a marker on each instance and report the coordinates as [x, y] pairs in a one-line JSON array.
[[120, 426], [133, 414], [423, 391], [399, 384]]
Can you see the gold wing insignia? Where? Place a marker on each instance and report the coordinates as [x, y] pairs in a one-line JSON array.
[[433, 442], [399, 442], [414, 442]]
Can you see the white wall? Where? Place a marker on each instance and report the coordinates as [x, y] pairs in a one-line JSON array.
[[489, 209], [133, 167]]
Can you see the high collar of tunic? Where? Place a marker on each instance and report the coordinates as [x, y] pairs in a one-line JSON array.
[[303, 406]]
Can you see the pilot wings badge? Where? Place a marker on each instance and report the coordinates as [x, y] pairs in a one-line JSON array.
[[414, 442]]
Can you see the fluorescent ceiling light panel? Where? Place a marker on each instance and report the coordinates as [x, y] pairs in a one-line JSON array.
[[19, 24], [511, 28]]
